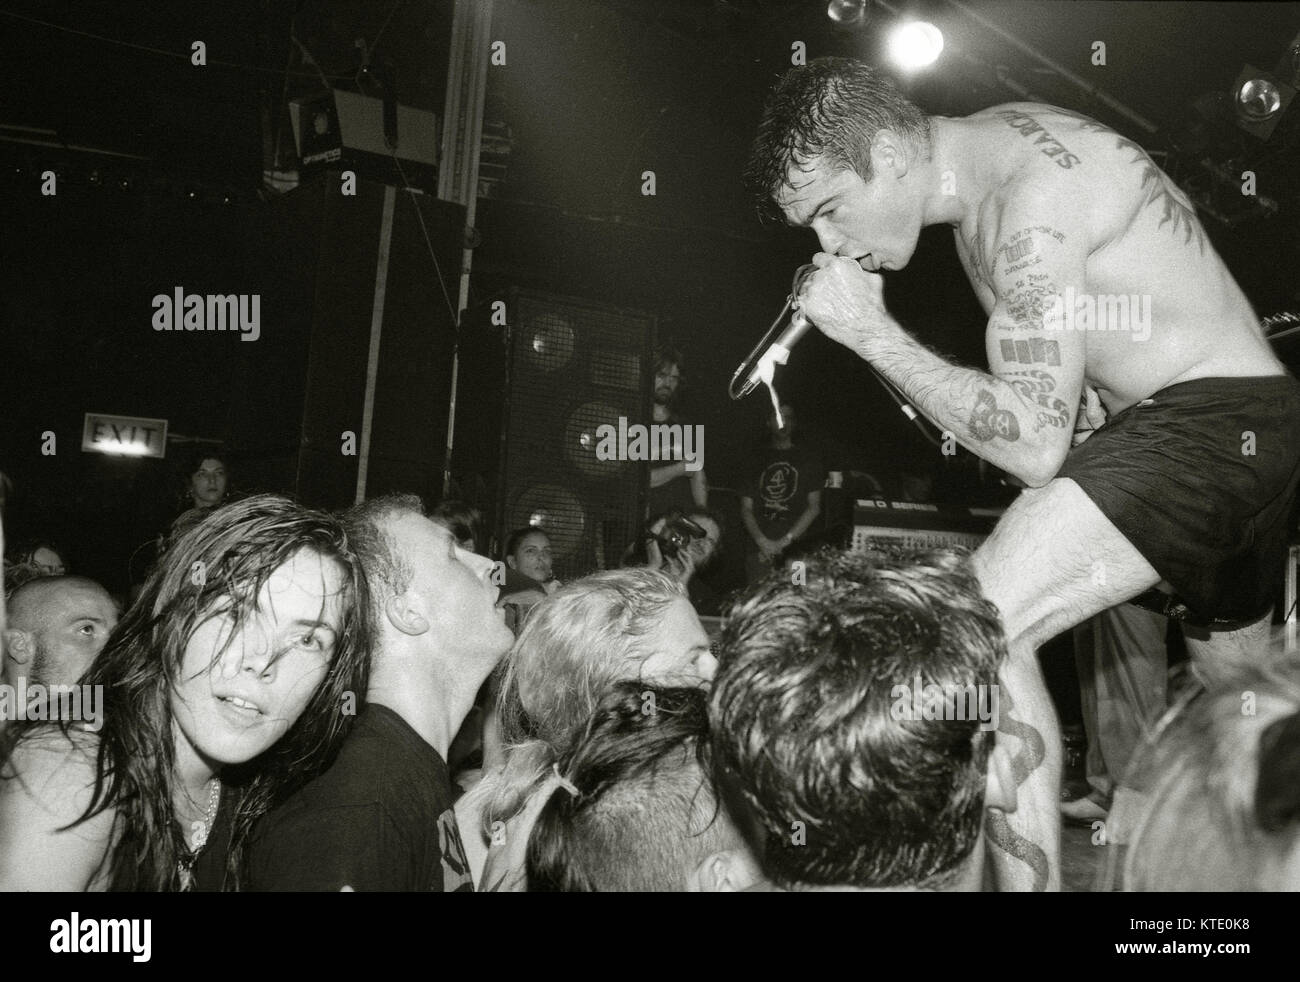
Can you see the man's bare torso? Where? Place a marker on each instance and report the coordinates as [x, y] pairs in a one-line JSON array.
[[1144, 242]]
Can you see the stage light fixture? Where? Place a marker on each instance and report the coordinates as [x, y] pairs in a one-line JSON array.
[[915, 44], [848, 14], [1259, 101]]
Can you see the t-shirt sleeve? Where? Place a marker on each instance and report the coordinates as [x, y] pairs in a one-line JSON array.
[[326, 850]]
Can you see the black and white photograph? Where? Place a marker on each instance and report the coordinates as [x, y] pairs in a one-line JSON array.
[[572, 446]]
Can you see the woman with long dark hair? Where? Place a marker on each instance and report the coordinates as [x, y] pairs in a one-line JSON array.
[[223, 689]]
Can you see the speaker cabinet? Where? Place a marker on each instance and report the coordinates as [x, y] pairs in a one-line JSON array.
[[574, 367]]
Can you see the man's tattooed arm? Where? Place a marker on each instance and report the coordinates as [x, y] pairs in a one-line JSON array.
[[1019, 416]]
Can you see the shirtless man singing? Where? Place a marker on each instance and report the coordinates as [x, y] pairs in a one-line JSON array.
[[1109, 310]]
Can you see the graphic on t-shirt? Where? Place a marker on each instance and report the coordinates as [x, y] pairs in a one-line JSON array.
[[456, 876], [777, 488]]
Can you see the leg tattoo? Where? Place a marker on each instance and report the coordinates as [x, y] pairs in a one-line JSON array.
[[1027, 760]]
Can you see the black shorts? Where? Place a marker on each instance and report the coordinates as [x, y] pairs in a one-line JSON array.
[[1177, 476]]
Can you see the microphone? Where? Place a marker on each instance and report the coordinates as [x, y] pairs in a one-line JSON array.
[[774, 348]]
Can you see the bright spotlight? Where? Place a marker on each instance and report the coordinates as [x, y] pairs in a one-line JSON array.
[[915, 44]]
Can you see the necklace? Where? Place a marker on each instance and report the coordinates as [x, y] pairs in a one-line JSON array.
[[199, 832]]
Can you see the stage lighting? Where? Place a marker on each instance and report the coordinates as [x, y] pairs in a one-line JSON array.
[[848, 14], [1259, 101], [915, 44]]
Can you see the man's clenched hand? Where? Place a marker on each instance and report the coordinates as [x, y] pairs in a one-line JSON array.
[[844, 301]]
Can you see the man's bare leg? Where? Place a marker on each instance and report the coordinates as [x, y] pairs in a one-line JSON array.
[[1053, 561]]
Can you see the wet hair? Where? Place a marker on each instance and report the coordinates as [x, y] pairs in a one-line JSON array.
[[219, 565], [463, 520], [805, 722], [1219, 808], [575, 644], [832, 108], [516, 538], [645, 815]]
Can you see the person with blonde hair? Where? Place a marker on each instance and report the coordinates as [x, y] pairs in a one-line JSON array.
[[611, 626], [1219, 807]]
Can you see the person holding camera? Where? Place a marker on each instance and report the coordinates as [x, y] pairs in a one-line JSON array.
[[785, 498], [683, 545]]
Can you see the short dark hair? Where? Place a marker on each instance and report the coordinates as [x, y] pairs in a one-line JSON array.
[[645, 814], [803, 721], [831, 107], [515, 538], [463, 519], [194, 458], [387, 570]]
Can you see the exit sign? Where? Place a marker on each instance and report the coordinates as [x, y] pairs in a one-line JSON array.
[[130, 436]]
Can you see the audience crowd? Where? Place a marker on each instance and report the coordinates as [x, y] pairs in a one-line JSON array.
[[297, 700]]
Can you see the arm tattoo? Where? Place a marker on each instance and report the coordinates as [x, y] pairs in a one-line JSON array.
[[1021, 249], [1037, 386], [1027, 760], [1035, 351], [988, 421], [1029, 302], [1176, 210]]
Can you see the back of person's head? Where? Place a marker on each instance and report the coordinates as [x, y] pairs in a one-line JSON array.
[[831, 108], [637, 811], [369, 525], [462, 520], [1219, 808], [575, 644], [813, 718]]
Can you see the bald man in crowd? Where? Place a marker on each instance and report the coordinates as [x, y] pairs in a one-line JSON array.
[[57, 627]]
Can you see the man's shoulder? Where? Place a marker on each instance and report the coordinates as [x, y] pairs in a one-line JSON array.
[[382, 756], [1050, 159]]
